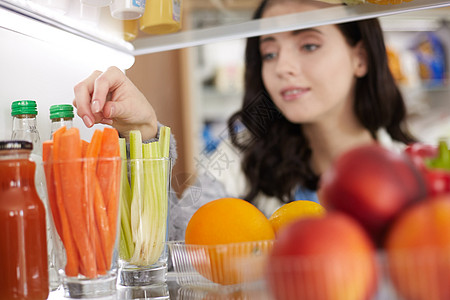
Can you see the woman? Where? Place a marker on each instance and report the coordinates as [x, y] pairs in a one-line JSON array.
[[310, 95]]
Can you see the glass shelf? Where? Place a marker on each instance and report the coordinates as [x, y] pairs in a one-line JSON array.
[[237, 29], [333, 15]]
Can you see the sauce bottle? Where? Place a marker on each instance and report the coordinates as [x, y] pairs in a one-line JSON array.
[[24, 127], [23, 246]]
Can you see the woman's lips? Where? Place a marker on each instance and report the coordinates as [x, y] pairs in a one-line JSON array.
[[293, 93]]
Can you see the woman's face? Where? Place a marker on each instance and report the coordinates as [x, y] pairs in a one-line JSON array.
[[310, 74]]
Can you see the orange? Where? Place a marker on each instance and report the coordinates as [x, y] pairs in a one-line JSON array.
[[293, 211], [388, 1], [225, 239]]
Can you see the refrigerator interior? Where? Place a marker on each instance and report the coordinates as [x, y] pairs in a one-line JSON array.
[[43, 63]]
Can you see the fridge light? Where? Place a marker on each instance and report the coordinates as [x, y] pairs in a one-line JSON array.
[[104, 54]]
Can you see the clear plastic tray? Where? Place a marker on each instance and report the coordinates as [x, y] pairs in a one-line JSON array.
[[412, 275], [202, 270], [228, 267]]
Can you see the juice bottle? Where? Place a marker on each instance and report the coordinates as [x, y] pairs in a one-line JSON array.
[[23, 247]]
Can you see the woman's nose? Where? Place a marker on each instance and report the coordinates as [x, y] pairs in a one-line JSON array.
[[288, 63]]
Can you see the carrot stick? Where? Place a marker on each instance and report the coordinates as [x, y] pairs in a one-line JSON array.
[[47, 157], [84, 147], [103, 224], [109, 148], [94, 146], [108, 174], [89, 169], [113, 203], [99, 256], [72, 187], [72, 265]]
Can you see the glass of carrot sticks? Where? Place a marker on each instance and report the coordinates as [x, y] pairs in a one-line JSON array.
[[145, 187], [83, 185]]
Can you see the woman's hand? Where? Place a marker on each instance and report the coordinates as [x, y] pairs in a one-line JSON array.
[[111, 98]]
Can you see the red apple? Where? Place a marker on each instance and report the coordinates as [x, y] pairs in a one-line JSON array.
[[324, 258], [372, 184], [418, 250]]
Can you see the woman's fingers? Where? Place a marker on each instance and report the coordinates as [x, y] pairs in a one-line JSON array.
[[83, 91], [104, 84], [92, 93], [111, 98]]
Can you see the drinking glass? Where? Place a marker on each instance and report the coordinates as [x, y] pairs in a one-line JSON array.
[[143, 252], [84, 201]]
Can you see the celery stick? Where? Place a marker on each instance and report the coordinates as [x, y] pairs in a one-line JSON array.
[[165, 168], [148, 207], [123, 248], [164, 138], [151, 213], [126, 242], [137, 189], [160, 211]]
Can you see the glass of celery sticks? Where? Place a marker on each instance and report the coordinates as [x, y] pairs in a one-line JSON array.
[[144, 199]]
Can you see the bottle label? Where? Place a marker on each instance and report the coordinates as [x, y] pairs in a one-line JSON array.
[[139, 3], [176, 10]]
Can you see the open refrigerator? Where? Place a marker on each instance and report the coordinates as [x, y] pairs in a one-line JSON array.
[[45, 53]]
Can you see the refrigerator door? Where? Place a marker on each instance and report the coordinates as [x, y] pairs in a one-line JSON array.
[[43, 63]]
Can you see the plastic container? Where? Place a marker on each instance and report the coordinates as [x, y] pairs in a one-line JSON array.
[[90, 14], [227, 267], [420, 275], [130, 30], [127, 9], [161, 17], [413, 274], [23, 250], [97, 3]]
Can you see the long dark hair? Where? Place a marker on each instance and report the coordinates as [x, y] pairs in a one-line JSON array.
[[276, 153]]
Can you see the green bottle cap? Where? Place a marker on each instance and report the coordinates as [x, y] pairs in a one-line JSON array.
[[61, 111], [24, 107]]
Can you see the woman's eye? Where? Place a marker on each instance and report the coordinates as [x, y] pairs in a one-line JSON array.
[[310, 47], [268, 56]]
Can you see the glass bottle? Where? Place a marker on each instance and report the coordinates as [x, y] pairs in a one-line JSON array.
[[24, 127], [60, 115], [23, 250]]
